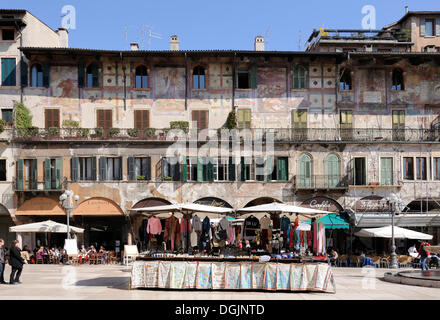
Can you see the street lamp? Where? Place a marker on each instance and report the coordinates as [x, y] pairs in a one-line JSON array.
[[67, 200], [394, 202]]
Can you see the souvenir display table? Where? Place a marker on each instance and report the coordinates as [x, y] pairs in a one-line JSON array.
[[231, 274]]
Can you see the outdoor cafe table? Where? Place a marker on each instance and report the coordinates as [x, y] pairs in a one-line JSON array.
[[231, 274]]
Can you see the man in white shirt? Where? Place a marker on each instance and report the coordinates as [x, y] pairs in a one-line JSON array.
[[412, 251]]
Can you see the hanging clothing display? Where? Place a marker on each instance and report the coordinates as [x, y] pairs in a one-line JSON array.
[[172, 231], [223, 229], [284, 223], [154, 226], [205, 236], [265, 222], [196, 223], [194, 239], [251, 225]]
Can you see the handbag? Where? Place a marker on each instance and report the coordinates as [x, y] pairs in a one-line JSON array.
[[221, 235]]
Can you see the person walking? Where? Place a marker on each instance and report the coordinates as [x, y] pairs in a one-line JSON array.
[[16, 262], [2, 261], [423, 255]]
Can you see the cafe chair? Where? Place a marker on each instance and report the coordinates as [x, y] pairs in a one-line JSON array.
[[376, 261], [99, 259], [342, 260]]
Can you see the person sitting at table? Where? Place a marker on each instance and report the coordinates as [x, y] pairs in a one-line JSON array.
[[412, 251], [102, 250], [41, 254], [333, 256]]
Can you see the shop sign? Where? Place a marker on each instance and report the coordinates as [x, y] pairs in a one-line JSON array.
[[371, 204], [322, 203]]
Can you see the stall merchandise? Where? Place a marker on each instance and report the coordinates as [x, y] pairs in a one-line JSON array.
[[232, 275]]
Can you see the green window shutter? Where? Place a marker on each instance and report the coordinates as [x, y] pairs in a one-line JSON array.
[[103, 168], [46, 74], [47, 175], [210, 170], [8, 72], [386, 171], [254, 76], [437, 27], [282, 169], [131, 169], [81, 75], [20, 174], [176, 171], [120, 168], [74, 168], [200, 170], [333, 170], [243, 169], [231, 170], [148, 168], [59, 172], [184, 169], [269, 167], [94, 168], [34, 175], [165, 168], [24, 73], [422, 27]]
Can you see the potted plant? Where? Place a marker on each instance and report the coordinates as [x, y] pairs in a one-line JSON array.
[[84, 132], [140, 177], [182, 125], [72, 125], [98, 132], [133, 132], [2, 125], [53, 131], [167, 178], [114, 132], [150, 132]]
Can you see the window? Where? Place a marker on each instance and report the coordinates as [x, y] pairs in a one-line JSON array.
[[142, 168], [345, 80], [280, 171], [8, 34], [141, 119], [170, 169], [360, 172], [199, 78], [386, 171], [92, 76], [243, 78], [421, 168], [436, 165], [37, 75], [104, 119], [8, 72], [27, 174], [408, 168], [333, 176], [53, 170], [346, 124], [299, 77], [201, 117], [299, 124], [191, 168], [248, 169], [2, 170], [141, 77], [110, 168], [244, 118], [305, 171], [87, 168], [398, 125], [397, 77], [52, 118], [221, 170], [429, 27], [7, 116]]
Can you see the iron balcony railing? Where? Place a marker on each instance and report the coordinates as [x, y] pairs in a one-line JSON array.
[[279, 134], [32, 185], [320, 182]]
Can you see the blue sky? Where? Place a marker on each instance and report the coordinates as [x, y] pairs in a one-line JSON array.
[[209, 24]]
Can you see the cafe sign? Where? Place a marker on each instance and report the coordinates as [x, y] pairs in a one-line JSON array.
[[322, 203], [371, 204]]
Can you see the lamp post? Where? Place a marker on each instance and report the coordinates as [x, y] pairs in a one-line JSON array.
[[67, 200], [394, 202]]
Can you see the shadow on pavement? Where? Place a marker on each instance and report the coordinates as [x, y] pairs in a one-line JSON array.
[[109, 282]]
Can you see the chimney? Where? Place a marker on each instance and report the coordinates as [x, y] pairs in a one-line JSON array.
[[406, 9], [134, 46], [174, 43], [63, 37], [259, 43]]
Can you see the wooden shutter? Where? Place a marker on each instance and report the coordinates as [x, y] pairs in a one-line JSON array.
[[74, 163], [148, 168], [243, 169], [201, 117], [94, 168], [52, 118], [199, 170], [422, 27], [131, 169], [141, 119], [210, 170], [81, 75], [34, 175], [103, 168], [8, 72], [244, 118], [269, 168], [299, 118], [282, 165], [184, 169], [333, 170], [254, 76], [104, 119], [59, 173], [47, 174], [20, 174], [24, 73], [46, 74], [231, 170], [437, 27], [386, 171]]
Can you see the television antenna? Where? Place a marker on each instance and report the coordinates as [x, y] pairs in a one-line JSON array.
[[267, 36], [145, 34]]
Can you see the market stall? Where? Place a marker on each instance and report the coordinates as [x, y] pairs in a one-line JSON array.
[[225, 253]]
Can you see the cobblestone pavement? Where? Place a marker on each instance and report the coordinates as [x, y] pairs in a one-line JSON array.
[[89, 282]]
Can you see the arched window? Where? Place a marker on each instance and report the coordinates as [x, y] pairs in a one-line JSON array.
[[199, 78], [345, 80], [305, 171], [92, 76], [37, 75], [333, 171], [398, 83], [299, 77], [141, 77]]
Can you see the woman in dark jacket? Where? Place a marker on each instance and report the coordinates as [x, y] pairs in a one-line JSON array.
[[16, 262]]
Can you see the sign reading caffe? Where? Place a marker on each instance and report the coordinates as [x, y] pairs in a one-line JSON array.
[[371, 204], [322, 203]]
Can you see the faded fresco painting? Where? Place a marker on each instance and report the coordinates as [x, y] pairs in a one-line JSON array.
[[169, 83]]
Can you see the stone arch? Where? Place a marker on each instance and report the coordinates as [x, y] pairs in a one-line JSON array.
[[98, 206], [261, 200], [213, 201]]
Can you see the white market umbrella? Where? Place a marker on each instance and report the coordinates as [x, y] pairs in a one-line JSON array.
[[283, 208], [192, 207], [399, 233], [48, 226]]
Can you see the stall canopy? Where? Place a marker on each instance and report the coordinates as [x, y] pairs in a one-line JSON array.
[[185, 208], [48, 226], [399, 233], [283, 208], [333, 221]]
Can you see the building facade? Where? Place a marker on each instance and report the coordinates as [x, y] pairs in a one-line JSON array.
[[348, 130]]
